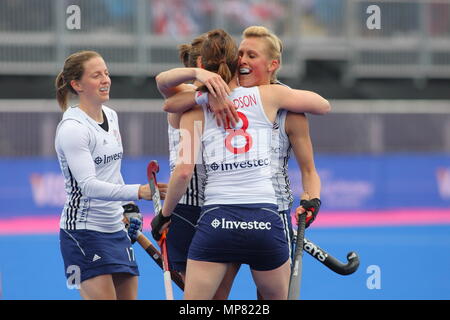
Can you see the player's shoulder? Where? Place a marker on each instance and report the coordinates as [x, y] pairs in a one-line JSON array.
[[71, 125], [110, 113], [278, 82], [272, 88], [72, 132]]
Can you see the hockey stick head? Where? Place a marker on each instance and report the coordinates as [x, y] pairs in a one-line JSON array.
[[152, 170], [153, 167], [331, 262], [352, 264], [344, 269]]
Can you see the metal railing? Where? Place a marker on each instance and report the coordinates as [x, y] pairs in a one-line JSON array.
[[27, 127], [140, 37]]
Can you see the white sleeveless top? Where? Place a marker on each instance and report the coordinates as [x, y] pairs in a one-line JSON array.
[[194, 195], [281, 151], [238, 162]]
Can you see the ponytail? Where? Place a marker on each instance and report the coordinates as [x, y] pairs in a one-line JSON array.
[[189, 53], [73, 70], [224, 72], [220, 54], [62, 92], [183, 50]]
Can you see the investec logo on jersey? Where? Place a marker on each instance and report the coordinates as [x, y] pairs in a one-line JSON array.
[[238, 165], [249, 225], [107, 159]]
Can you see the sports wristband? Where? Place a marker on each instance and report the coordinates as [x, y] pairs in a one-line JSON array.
[[201, 98]]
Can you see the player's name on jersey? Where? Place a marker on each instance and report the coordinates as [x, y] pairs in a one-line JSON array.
[[245, 101]]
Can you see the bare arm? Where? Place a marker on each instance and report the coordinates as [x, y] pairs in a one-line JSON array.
[[223, 108], [180, 102], [297, 129], [298, 101], [190, 142], [171, 82]]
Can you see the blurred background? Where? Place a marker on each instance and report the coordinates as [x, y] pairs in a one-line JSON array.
[[383, 153]]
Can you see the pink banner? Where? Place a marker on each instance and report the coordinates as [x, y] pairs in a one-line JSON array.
[[327, 219]]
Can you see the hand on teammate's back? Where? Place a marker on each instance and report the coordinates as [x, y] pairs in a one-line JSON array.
[[224, 111], [217, 87]]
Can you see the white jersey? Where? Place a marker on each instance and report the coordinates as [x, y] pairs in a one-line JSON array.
[[90, 160], [194, 195], [237, 162], [281, 151]]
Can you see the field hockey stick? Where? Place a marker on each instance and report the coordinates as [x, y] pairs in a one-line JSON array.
[[296, 273], [154, 253], [152, 170], [331, 262]]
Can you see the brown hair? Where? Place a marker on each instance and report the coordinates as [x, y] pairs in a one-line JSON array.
[[274, 44], [73, 70], [189, 53], [220, 54]]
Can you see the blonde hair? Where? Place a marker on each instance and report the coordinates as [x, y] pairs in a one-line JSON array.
[[73, 70], [274, 44]]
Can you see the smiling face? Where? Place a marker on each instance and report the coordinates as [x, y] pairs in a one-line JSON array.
[[95, 82], [255, 65]]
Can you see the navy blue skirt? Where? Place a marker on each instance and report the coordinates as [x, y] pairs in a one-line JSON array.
[[93, 253], [252, 234], [181, 231]]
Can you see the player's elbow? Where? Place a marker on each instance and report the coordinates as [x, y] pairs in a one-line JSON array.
[[323, 106], [161, 85], [184, 172], [90, 188], [327, 106], [171, 106], [159, 79], [167, 106]]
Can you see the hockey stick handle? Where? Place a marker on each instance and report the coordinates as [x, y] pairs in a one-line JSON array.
[[166, 269], [331, 262], [152, 170], [297, 264], [154, 253]]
